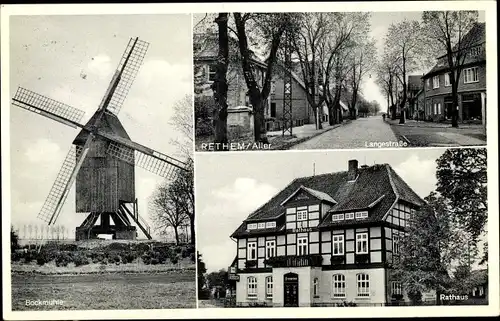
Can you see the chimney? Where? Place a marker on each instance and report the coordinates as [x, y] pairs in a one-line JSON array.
[[353, 170]]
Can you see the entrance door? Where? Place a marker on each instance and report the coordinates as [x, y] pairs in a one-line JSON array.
[[291, 290]]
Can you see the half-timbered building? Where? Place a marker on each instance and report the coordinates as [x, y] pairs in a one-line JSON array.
[[326, 240]]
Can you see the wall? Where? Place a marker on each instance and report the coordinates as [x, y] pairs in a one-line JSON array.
[[377, 288], [306, 278], [300, 107]]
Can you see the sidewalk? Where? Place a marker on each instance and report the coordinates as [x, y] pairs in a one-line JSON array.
[[299, 135], [426, 124]]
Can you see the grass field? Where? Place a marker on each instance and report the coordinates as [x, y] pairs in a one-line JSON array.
[[170, 290]]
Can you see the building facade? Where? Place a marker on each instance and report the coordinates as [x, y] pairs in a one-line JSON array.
[[471, 86], [326, 240], [205, 58]]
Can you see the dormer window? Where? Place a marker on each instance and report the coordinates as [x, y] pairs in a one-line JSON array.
[[270, 224], [337, 217], [261, 225], [361, 215], [349, 216], [252, 226]]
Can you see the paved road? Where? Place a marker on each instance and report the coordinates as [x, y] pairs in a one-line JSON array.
[[360, 133], [441, 136]]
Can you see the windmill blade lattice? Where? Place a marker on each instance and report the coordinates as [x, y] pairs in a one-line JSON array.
[[40, 104], [59, 186], [157, 163], [128, 67]]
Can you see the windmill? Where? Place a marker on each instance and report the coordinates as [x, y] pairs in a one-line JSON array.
[[102, 158]]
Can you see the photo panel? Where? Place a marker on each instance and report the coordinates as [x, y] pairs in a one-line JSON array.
[[364, 228], [101, 162], [339, 80]]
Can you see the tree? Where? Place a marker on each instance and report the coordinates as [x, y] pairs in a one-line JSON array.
[[201, 270], [182, 121], [14, 239], [386, 79], [217, 279], [321, 43], [361, 62], [220, 86], [269, 26], [172, 204], [462, 178], [426, 251], [404, 43], [447, 32]]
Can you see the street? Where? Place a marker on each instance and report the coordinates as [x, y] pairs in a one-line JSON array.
[[358, 134], [423, 135]]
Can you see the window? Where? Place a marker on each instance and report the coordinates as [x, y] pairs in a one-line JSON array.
[[270, 224], [269, 286], [363, 284], [251, 226], [302, 246], [475, 51], [211, 72], [349, 216], [435, 82], [252, 250], [439, 108], [470, 75], [270, 249], [395, 244], [338, 286], [301, 215], [362, 214], [337, 217], [362, 243], [316, 287], [338, 244], [481, 290], [428, 81], [447, 82], [273, 109], [261, 225], [396, 288], [252, 287]]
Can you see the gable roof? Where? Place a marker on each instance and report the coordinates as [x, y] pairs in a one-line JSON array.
[[476, 36], [377, 187], [319, 195], [109, 124]]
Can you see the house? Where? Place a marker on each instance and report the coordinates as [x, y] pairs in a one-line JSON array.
[[471, 87], [205, 56], [415, 85], [479, 291], [326, 240]]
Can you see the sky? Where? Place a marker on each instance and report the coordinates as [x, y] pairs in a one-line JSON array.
[[49, 55], [232, 186]]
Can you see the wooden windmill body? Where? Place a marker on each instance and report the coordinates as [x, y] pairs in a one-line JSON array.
[[102, 159]]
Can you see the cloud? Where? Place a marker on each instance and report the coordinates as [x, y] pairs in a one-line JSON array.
[[43, 151], [219, 215], [101, 66], [418, 173]]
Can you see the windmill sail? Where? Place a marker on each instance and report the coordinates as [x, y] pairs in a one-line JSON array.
[[60, 189], [146, 158], [48, 107], [126, 72]]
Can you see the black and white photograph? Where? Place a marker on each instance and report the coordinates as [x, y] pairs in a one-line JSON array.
[[301, 160], [344, 229], [102, 194], [339, 80]]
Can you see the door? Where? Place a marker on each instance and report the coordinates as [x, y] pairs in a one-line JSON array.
[[291, 290]]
